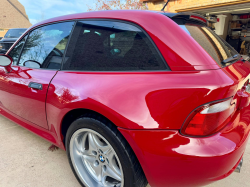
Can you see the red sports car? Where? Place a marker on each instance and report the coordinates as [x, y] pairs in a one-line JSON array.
[[134, 97]]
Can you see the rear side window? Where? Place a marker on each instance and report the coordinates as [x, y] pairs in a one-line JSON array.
[[111, 46], [218, 48]]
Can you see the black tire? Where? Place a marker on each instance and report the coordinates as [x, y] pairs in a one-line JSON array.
[[132, 171]]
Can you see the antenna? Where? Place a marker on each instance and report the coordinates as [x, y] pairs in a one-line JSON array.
[[165, 5]]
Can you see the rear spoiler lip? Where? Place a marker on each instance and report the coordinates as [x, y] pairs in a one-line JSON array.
[[187, 16]]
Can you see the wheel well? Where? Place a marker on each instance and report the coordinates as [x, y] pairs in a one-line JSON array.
[[72, 116], [77, 113]]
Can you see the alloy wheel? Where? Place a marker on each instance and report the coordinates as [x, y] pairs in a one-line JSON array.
[[94, 160]]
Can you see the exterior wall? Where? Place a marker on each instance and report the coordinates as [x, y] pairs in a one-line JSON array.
[[177, 5], [12, 15], [228, 18], [3, 32]]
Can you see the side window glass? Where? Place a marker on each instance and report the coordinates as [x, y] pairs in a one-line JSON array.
[[45, 46], [111, 46], [15, 52]]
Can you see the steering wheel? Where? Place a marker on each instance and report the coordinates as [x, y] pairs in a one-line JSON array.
[[55, 50]]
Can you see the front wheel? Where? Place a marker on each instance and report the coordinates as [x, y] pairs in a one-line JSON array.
[[99, 156]]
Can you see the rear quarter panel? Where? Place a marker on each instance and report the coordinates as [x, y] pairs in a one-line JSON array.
[[150, 100]]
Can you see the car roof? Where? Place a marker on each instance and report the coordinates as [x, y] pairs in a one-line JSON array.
[[113, 14], [110, 14], [160, 27]]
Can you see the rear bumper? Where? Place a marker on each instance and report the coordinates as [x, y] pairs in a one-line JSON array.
[[170, 159]]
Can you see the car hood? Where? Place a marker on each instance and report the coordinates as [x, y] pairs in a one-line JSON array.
[[8, 40]]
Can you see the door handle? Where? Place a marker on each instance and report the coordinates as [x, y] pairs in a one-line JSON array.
[[35, 85]]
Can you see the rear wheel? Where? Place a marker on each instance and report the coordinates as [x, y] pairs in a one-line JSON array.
[[100, 157]]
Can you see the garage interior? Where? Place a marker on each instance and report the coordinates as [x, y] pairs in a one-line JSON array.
[[232, 23]]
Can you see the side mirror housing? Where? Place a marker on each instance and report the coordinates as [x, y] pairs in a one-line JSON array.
[[6, 61]]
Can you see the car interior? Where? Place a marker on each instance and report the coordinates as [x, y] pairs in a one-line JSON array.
[[107, 49]]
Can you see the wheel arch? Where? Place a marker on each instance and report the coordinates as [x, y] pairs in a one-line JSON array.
[[81, 113], [74, 114], [71, 116]]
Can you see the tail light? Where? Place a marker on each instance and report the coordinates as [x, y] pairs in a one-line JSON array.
[[209, 118]]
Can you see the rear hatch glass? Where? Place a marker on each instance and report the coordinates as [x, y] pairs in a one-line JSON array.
[[216, 47]]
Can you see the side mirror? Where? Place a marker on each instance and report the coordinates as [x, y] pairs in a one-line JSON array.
[[6, 61]]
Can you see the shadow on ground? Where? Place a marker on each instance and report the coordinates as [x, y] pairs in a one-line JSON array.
[[26, 162]]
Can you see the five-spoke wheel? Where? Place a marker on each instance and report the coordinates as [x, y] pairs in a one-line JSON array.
[[94, 159], [100, 156]]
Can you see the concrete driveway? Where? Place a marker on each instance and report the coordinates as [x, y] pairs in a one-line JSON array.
[[26, 162]]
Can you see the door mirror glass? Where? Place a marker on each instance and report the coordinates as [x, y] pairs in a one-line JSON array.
[[5, 60], [32, 64]]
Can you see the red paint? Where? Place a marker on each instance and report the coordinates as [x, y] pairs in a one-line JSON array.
[[149, 108], [18, 98], [44, 133], [137, 100], [170, 159]]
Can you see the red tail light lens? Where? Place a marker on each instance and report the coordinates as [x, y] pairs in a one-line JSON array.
[[209, 119]]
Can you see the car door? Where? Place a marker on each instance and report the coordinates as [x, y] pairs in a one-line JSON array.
[[36, 60]]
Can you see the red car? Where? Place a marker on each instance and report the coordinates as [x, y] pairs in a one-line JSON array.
[[134, 97]]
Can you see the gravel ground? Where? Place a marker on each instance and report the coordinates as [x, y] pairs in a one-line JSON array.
[[25, 162]]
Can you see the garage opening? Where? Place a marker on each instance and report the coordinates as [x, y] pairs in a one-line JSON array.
[[232, 23]]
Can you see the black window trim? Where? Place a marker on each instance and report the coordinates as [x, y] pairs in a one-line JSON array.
[[66, 47], [28, 34], [96, 19]]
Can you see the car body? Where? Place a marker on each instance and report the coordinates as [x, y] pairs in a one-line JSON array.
[[149, 107], [9, 38]]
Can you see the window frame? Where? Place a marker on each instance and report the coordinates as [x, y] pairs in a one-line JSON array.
[[28, 34], [128, 71], [96, 19]]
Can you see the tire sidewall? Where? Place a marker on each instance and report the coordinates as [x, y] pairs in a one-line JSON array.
[[110, 136]]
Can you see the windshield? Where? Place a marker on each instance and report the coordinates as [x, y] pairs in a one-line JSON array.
[[215, 46], [14, 33]]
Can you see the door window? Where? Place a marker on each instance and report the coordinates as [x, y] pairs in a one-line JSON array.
[[15, 52], [45, 46], [111, 46]]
